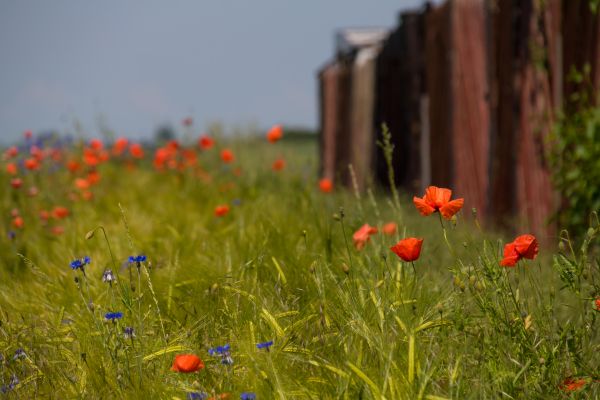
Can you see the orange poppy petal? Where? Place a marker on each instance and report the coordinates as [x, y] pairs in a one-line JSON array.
[[451, 208], [424, 208], [437, 196], [526, 246]]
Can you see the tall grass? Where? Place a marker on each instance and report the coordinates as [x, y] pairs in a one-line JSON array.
[[280, 266]]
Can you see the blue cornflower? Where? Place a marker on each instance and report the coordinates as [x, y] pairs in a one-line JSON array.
[[112, 316], [197, 396], [236, 202], [248, 396], [11, 235], [224, 352], [80, 263], [137, 259], [19, 353], [128, 332], [264, 345], [14, 381]]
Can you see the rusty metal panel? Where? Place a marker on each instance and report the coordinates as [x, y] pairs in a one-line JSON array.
[[328, 79], [438, 77], [470, 108]]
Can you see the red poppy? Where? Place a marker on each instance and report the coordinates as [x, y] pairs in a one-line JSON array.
[[11, 168], [572, 384], [187, 121], [408, 249], [206, 142], [33, 191], [73, 165], [120, 146], [325, 185], [390, 228], [221, 210], [597, 304], [524, 246], [278, 164], [60, 212], [11, 152], [361, 236], [18, 222], [90, 157], [227, 156], [438, 199], [28, 134], [14, 212], [222, 396], [96, 144], [187, 363], [275, 133], [57, 230], [16, 183], [31, 163], [87, 195], [136, 150], [44, 215], [82, 183], [93, 177]]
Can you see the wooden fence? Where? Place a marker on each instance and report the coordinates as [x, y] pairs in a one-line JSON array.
[[470, 90]]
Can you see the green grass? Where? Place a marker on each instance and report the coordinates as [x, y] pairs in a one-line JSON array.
[[280, 266]]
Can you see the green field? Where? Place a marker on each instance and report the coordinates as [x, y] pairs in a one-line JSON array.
[[279, 266]]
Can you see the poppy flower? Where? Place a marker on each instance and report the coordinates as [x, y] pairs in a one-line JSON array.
[[597, 304], [33, 191], [11, 152], [73, 165], [275, 133], [96, 144], [572, 384], [206, 142], [60, 212], [18, 222], [28, 134], [524, 246], [31, 164], [221, 210], [361, 236], [408, 249], [390, 228], [222, 396], [120, 146], [187, 363], [93, 177], [57, 230], [325, 185], [136, 150], [438, 199], [187, 121], [16, 183], [278, 164], [44, 215], [11, 168], [227, 156]]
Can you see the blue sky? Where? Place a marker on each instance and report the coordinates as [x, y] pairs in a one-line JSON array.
[[139, 64]]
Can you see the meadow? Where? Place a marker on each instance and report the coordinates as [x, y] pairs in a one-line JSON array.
[[187, 272]]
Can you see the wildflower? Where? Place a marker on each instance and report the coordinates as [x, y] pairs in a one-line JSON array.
[[524, 246], [11, 152], [93, 177], [325, 185], [31, 164], [18, 222], [96, 144], [16, 183], [222, 396], [221, 210], [236, 202], [187, 363], [597, 304], [120, 146], [11, 235], [206, 142], [11, 168], [113, 316], [80, 263], [197, 396], [438, 199], [390, 228], [278, 164], [408, 249], [248, 396], [227, 156], [275, 133], [136, 150], [14, 381], [33, 191], [361, 236], [60, 212], [128, 333], [19, 353], [188, 121], [108, 276], [223, 351], [572, 384], [136, 259], [28, 134], [57, 230], [264, 345]]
